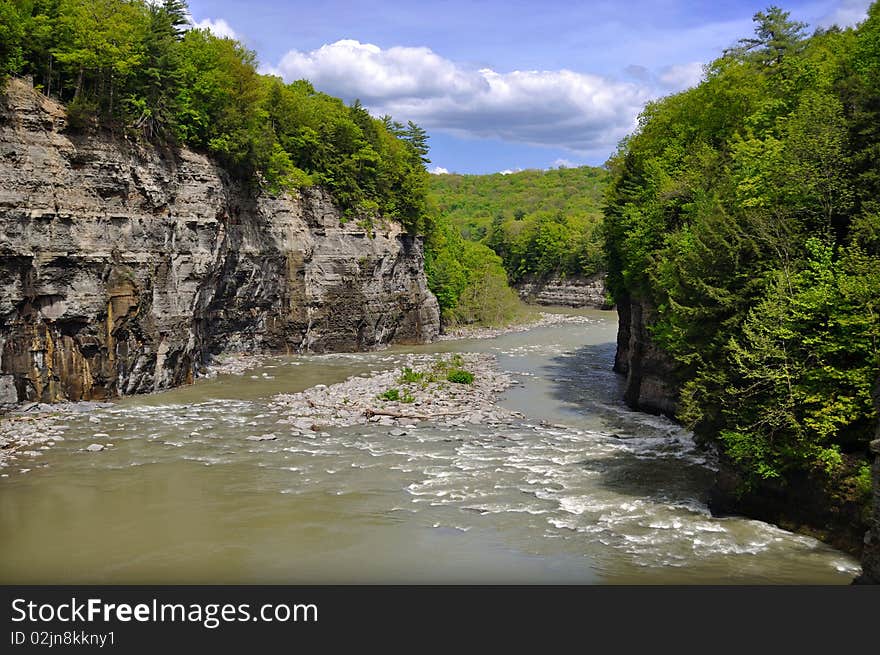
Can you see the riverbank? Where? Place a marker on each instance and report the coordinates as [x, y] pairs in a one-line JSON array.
[[31, 429], [24, 438], [545, 319], [450, 390]]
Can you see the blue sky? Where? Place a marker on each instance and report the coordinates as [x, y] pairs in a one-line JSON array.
[[502, 85]]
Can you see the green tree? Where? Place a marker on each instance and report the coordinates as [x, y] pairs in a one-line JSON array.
[[743, 215], [539, 222], [153, 104], [11, 34], [101, 40], [775, 37], [417, 138]]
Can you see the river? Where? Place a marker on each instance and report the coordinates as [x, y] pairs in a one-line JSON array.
[[582, 491]]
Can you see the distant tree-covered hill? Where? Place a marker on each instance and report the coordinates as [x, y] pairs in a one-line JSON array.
[[538, 222]]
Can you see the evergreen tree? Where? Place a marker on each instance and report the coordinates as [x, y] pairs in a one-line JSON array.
[[775, 37], [417, 138]]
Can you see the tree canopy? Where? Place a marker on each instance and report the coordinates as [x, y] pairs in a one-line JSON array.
[[746, 211], [133, 67]]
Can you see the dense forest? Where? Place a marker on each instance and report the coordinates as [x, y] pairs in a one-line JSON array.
[[540, 223], [746, 213]]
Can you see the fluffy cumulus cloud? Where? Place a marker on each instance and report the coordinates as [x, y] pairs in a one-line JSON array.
[[683, 76], [847, 13], [219, 27], [559, 108], [439, 170]]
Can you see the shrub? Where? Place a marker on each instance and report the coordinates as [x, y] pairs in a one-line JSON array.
[[460, 376], [410, 376]]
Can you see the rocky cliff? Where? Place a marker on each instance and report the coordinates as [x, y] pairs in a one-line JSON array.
[[650, 373], [123, 268], [567, 292]]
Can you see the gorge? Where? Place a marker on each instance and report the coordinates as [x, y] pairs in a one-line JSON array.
[[127, 268], [167, 203]]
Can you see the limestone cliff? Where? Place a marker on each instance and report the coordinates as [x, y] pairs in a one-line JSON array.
[[122, 268], [574, 291], [650, 373]]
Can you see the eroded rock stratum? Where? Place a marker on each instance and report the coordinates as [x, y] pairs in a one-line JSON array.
[[122, 268]]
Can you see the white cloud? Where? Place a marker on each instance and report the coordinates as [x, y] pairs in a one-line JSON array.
[[559, 108], [219, 27], [439, 170], [682, 76], [564, 163], [848, 13]]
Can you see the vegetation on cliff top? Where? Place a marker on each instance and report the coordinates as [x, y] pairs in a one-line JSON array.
[[134, 67], [468, 279], [747, 211]]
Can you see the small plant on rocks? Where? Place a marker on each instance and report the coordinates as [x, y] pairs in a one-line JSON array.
[[410, 376], [390, 394], [460, 376]]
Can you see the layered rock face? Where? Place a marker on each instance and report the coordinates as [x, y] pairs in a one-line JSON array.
[[123, 268], [650, 373], [566, 292]]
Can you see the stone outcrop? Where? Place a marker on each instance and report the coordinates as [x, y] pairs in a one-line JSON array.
[[123, 268], [565, 291], [650, 373]]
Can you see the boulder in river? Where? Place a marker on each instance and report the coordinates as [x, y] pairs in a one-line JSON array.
[[262, 437]]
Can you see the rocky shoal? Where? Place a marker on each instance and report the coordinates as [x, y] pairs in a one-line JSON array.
[[33, 428], [423, 393], [428, 396]]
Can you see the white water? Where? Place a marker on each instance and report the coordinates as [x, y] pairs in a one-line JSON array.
[[582, 491]]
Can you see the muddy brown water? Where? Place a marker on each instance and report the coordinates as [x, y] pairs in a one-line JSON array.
[[582, 491]]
